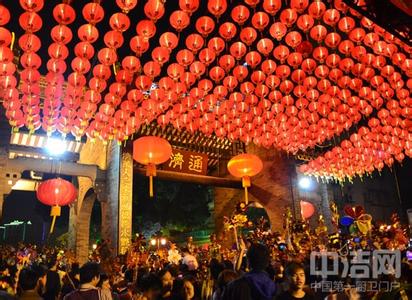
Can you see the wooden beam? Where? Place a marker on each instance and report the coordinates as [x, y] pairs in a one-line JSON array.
[[196, 179]]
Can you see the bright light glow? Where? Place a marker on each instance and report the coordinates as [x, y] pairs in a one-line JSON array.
[[305, 183], [10, 182], [94, 246], [56, 146], [163, 241], [153, 242]]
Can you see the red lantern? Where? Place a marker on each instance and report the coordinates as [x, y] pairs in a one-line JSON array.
[[93, 12], [146, 29], [169, 40], [248, 35], [227, 30], [240, 14], [260, 20], [64, 14], [245, 166], [4, 15], [56, 193], [272, 6], [217, 7], [307, 209], [154, 9], [151, 151], [205, 25], [194, 42], [126, 5], [189, 6], [179, 20]]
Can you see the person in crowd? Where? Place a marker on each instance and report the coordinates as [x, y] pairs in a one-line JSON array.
[[149, 287], [71, 280], [122, 291], [167, 284], [296, 279], [256, 284], [183, 289], [89, 278], [224, 278], [31, 281], [53, 285]]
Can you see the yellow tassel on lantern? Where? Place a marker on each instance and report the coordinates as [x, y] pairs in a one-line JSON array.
[[151, 171], [54, 212], [246, 184]]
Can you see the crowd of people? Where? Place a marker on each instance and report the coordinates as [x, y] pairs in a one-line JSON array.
[[259, 265]]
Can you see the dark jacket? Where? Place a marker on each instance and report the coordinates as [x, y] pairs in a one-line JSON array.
[[251, 286]]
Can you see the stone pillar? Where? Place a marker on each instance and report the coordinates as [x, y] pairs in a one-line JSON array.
[[273, 187], [83, 226], [327, 214], [125, 202], [110, 211]]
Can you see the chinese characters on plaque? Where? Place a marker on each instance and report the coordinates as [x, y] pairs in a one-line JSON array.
[[186, 162]]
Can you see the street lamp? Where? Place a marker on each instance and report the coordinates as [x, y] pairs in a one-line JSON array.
[[158, 241], [305, 183]]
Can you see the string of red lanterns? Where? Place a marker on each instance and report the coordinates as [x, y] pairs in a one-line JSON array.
[[31, 22], [286, 76]]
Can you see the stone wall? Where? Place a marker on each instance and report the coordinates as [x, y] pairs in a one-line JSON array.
[[110, 206], [272, 188]]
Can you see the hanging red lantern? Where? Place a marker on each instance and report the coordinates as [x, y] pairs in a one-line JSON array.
[[305, 22], [288, 16], [184, 57], [93, 12], [248, 35], [120, 22], [245, 166], [64, 14], [272, 6], [331, 16], [227, 30], [189, 6], [60, 34], [205, 25], [30, 21], [265, 46], [240, 14], [151, 151], [88, 33], [32, 5], [146, 28], [179, 20], [278, 30], [169, 40], [238, 50], [307, 209], [139, 45], [194, 42], [56, 193], [126, 5], [260, 20], [217, 7], [4, 15], [154, 9]]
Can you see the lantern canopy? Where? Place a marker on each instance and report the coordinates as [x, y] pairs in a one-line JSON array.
[[307, 209], [56, 193], [151, 151], [245, 166]]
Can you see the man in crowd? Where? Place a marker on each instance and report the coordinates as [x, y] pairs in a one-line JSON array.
[[89, 278], [31, 281], [256, 284]]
